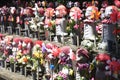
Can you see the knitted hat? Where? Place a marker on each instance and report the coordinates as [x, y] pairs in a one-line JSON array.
[[82, 51]]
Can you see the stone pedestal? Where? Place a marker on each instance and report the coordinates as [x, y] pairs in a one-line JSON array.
[[2, 63], [89, 31], [22, 70], [12, 67], [108, 36]]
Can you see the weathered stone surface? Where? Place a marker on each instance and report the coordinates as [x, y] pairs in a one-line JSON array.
[[7, 75]]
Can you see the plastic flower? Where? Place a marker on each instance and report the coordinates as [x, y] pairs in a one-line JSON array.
[[76, 26], [62, 75], [12, 59], [37, 54], [24, 59], [95, 14], [87, 44]]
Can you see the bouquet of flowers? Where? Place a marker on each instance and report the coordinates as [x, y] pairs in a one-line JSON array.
[[37, 55], [75, 17], [11, 59]]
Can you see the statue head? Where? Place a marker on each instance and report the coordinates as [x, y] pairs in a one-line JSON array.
[[12, 10], [111, 13], [75, 13], [49, 12], [61, 11], [92, 12]]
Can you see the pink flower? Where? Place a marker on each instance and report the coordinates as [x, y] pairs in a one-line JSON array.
[[76, 26]]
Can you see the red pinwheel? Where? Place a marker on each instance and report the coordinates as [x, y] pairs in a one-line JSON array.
[[82, 51], [38, 42], [102, 57]]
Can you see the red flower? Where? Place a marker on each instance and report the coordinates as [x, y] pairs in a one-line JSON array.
[[56, 51], [38, 42], [114, 66], [76, 26], [27, 40], [102, 57], [114, 15], [17, 40]]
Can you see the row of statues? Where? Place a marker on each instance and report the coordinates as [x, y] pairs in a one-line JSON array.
[[55, 19], [80, 25]]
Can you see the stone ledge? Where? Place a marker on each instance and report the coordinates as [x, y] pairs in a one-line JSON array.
[[7, 75]]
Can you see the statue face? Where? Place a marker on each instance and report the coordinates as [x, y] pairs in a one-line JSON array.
[[71, 14], [13, 10], [61, 11], [49, 12], [57, 12], [88, 12], [75, 13], [108, 11]]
